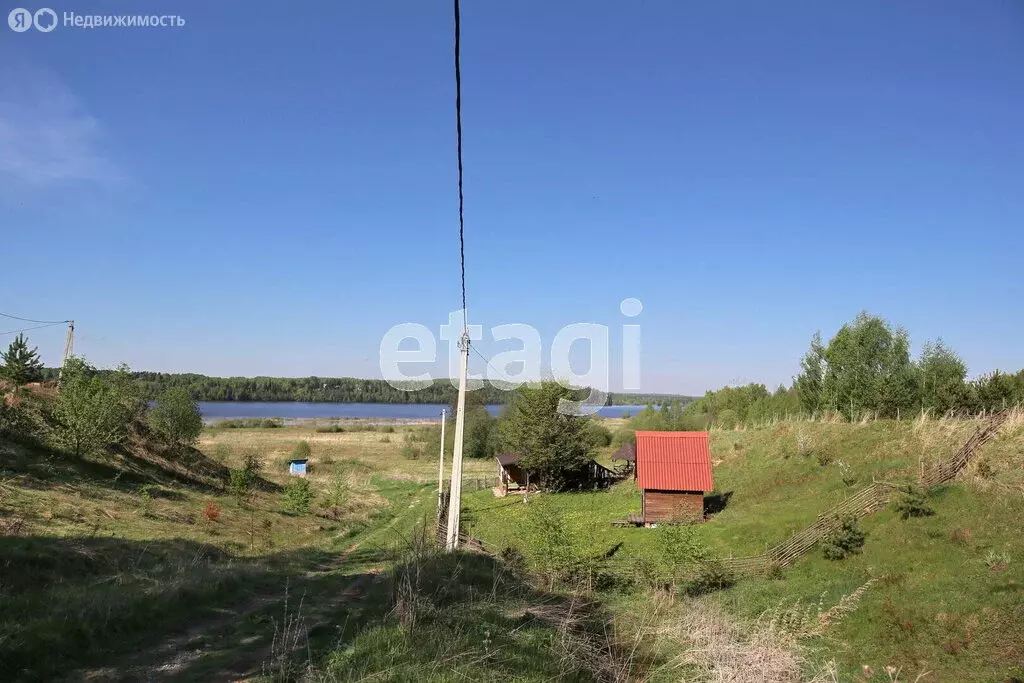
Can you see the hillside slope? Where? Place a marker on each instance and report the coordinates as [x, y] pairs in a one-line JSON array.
[[945, 592]]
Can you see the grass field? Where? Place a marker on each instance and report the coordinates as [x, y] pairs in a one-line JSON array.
[[946, 590], [101, 558], [112, 568]]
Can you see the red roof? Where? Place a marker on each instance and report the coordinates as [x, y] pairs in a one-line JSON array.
[[673, 461]]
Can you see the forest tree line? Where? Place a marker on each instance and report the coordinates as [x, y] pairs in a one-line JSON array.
[[334, 390], [865, 370]]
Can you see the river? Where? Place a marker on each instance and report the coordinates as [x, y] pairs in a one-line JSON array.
[[291, 410]]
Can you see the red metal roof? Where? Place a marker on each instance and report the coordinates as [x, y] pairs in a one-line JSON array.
[[673, 461]]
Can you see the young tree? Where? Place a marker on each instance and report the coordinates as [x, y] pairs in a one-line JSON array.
[[94, 411], [553, 445], [943, 379], [868, 368], [21, 364], [809, 383], [175, 417]]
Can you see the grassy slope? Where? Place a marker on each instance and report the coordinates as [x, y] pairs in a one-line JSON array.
[[936, 604], [90, 567]]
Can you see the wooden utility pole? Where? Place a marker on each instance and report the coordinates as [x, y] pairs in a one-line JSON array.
[[69, 348], [455, 496], [440, 471]]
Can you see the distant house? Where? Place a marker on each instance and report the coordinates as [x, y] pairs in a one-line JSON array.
[[297, 467], [513, 478], [673, 469]]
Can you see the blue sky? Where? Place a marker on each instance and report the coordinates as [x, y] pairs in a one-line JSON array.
[[269, 188]]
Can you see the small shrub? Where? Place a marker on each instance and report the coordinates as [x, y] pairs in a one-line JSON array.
[[598, 435], [175, 418], [250, 423], [960, 536], [211, 511], [912, 501], [411, 452], [823, 456], [997, 561], [145, 501], [332, 429], [775, 571], [847, 540], [386, 429], [298, 496], [849, 478], [244, 479], [985, 469], [301, 451], [385, 439], [712, 576]]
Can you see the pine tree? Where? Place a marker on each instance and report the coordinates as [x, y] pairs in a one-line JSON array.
[[21, 365]]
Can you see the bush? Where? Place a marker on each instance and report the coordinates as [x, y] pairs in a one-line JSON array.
[[298, 496], [244, 479], [847, 540], [175, 418], [912, 501], [93, 411], [332, 429], [211, 511], [250, 423], [599, 435], [410, 452], [712, 576]]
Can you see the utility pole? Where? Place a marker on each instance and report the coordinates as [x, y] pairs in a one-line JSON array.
[[440, 470], [455, 497], [69, 348]]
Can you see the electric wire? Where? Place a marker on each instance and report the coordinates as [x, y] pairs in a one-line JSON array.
[[30, 320], [458, 130], [37, 327]]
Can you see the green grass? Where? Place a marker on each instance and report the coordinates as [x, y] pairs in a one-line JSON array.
[[98, 560], [461, 617], [935, 605]]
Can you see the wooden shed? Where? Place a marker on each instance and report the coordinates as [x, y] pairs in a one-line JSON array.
[[511, 476], [673, 470], [627, 456], [514, 478]]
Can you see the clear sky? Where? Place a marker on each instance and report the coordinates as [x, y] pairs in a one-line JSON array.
[[269, 188]]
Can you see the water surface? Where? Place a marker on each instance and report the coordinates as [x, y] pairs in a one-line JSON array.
[[290, 410]]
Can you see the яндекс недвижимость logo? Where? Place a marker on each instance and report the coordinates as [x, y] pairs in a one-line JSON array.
[[21, 19], [45, 20]]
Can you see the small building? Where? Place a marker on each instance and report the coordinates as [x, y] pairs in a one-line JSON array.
[[297, 467], [627, 456], [513, 478], [673, 470]]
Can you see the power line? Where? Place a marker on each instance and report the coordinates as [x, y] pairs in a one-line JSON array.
[[37, 327], [458, 128], [477, 351], [30, 320]]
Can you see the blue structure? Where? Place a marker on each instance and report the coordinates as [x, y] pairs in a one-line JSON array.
[[297, 468]]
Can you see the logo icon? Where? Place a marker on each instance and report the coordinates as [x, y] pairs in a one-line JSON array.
[[46, 20], [20, 19]]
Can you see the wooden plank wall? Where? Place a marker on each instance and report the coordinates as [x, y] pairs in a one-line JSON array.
[[673, 506]]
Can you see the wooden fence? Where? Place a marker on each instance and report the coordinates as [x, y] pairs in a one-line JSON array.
[[864, 502]]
